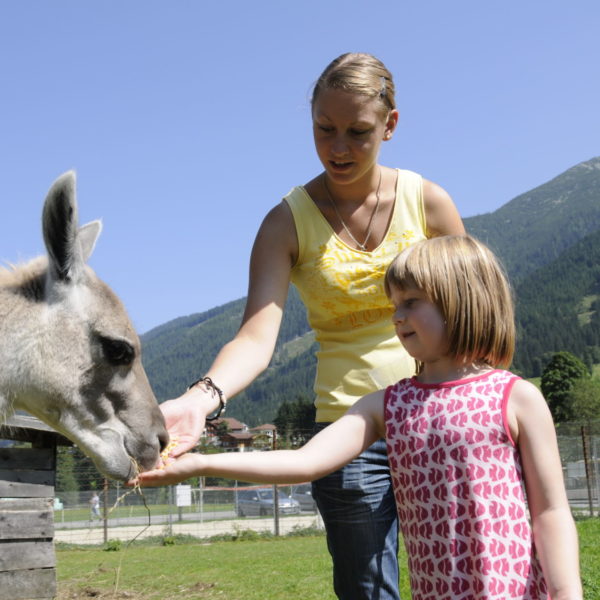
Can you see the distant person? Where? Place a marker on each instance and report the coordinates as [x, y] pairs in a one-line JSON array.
[[95, 507], [465, 440], [333, 238]]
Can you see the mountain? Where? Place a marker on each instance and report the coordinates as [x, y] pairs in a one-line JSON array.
[[180, 351], [558, 308], [536, 227], [549, 241]]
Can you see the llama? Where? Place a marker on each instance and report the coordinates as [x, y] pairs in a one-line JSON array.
[[68, 352]]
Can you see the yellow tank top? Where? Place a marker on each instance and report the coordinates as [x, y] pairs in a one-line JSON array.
[[343, 291]]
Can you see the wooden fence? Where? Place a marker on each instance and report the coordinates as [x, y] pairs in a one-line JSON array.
[[27, 479]]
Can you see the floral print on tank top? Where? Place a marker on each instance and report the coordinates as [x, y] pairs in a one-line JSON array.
[[346, 284], [458, 485]]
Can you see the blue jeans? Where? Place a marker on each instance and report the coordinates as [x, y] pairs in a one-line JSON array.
[[359, 511]]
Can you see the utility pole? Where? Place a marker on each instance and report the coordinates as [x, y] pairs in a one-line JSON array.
[[589, 475], [275, 493], [105, 511]]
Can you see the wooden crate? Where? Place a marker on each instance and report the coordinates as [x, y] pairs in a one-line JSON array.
[[27, 478]]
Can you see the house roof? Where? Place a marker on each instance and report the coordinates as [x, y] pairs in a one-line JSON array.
[[239, 436], [265, 427], [232, 424]]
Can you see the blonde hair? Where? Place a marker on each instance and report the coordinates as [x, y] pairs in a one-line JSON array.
[[360, 74], [468, 284]]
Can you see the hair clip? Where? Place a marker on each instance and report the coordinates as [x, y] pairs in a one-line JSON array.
[[383, 92]]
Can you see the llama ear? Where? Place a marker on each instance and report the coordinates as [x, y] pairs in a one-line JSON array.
[[88, 236], [60, 228]]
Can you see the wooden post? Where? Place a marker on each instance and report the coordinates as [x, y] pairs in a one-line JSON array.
[[275, 494], [27, 479], [588, 470], [105, 510]]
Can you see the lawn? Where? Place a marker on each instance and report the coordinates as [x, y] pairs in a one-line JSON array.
[[259, 569], [253, 569]]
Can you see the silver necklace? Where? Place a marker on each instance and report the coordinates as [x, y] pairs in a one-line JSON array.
[[362, 246]]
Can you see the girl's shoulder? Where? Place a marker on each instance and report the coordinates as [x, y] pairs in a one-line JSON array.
[[525, 393], [526, 408]]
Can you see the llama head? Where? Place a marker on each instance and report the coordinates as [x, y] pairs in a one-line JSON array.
[[75, 355]]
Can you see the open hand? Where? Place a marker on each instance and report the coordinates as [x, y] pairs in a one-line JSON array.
[[174, 470], [184, 418]]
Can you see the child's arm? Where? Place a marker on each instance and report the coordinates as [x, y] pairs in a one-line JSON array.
[[330, 449], [554, 530]]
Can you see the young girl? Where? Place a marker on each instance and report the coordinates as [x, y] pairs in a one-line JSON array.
[[466, 440], [463, 439]]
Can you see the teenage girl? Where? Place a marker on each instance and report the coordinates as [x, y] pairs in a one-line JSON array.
[[334, 238], [468, 442]]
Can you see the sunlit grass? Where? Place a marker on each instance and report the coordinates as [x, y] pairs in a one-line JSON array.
[[255, 569]]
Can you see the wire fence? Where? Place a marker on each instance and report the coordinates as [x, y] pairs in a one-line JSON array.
[[191, 510], [206, 508]]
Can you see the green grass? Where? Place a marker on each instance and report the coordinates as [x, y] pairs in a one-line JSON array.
[[255, 569], [249, 570], [589, 556], [584, 315]]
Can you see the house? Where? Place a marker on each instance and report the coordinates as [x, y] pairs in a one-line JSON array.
[[229, 433], [264, 436], [233, 435]]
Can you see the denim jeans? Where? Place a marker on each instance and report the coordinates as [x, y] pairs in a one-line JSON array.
[[358, 509]]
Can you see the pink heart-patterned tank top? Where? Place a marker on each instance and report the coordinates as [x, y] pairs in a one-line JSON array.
[[457, 480]]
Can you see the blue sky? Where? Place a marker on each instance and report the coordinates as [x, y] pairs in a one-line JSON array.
[[186, 121]]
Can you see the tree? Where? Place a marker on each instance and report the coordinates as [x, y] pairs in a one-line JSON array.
[[65, 470], [87, 475], [585, 399], [222, 428], [557, 382], [283, 418], [294, 421]]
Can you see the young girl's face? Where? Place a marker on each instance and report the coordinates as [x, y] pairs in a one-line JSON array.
[[419, 324]]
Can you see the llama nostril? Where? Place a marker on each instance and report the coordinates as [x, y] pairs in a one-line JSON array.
[[163, 439]]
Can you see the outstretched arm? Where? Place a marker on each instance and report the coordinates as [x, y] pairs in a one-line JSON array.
[[242, 359], [330, 449], [554, 531]]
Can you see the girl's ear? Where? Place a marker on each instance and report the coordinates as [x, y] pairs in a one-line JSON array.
[[390, 124]]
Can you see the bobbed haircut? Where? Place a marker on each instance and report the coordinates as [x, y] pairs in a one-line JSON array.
[[358, 73], [470, 288]]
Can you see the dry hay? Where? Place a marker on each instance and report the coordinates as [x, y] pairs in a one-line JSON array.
[[78, 592]]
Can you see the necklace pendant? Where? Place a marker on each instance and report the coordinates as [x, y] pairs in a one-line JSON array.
[[362, 246]]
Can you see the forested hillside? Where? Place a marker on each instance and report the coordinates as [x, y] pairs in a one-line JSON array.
[[549, 240], [178, 352], [558, 308], [536, 227]]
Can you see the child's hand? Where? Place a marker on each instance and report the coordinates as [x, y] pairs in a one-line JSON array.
[[175, 470]]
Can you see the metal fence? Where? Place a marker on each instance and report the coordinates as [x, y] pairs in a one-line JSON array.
[[191, 510], [206, 511], [579, 447]]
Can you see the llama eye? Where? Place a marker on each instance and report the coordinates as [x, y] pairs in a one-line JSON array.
[[117, 352]]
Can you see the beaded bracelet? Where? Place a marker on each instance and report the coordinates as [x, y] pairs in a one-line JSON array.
[[210, 384]]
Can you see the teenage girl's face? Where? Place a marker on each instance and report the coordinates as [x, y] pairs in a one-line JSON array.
[[419, 325], [348, 130]]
